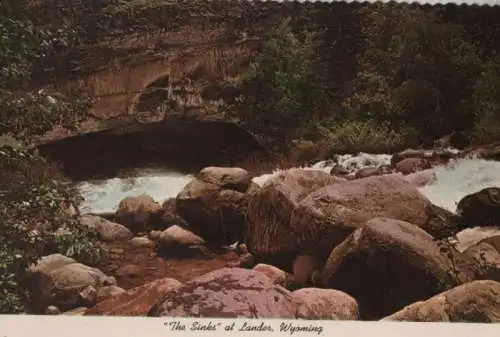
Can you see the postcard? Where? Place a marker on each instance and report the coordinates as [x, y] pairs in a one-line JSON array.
[[272, 167]]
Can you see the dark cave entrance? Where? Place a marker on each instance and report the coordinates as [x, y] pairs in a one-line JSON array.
[[177, 144]]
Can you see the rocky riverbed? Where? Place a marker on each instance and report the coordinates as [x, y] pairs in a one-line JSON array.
[[342, 240]]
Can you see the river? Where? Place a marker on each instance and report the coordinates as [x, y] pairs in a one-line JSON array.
[[453, 181]]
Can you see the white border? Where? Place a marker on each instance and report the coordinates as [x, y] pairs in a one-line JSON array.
[[73, 326]]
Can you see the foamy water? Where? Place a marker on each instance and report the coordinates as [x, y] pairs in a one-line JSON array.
[[104, 196], [459, 178], [452, 183]]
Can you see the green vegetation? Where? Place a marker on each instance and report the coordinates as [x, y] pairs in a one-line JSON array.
[[416, 78], [35, 198]]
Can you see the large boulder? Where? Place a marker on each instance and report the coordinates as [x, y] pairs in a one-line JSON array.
[[328, 215], [481, 208], [105, 229], [61, 281], [136, 301], [214, 204], [138, 213], [386, 265], [475, 302], [228, 292], [269, 235], [329, 304]]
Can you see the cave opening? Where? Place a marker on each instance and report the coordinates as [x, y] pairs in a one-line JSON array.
[[177, 144]]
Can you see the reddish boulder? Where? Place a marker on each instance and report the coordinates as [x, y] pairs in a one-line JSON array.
[[269, 235], [136, 301], [228, 292], [386, 265], [138, 213], [328, 215], [214, 204], [412, 165]]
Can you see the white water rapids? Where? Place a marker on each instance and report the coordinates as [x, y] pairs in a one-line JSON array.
[[453, 182]]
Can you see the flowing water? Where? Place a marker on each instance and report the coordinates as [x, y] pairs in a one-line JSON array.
[[452, 183]]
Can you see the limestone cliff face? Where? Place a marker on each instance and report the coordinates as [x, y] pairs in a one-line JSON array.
[[167, 61]]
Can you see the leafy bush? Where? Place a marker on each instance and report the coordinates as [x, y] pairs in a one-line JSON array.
[[34, 195], [278, 92], [367, 135], [34, 221], [487, 103]]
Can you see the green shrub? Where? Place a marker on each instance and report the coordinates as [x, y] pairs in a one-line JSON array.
[[367, 136], [34, 197]]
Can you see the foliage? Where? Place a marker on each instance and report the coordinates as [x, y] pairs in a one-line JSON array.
[[487, 103], [24, 48], [378, 76], [279, 90], [367, 136], [414, 70], [34, 220], [34, 196]]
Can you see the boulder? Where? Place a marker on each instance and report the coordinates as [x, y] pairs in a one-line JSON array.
[[61, 281], [176, 238], [136, 301], [481, 208], [142, 242], [105, 229], [434, 156], [412, 165], [475, 302], [326, 304], [371, 171], [138, 213], [228, 292], [269, 235], [214, 204], [328, 215], [386, 265]]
